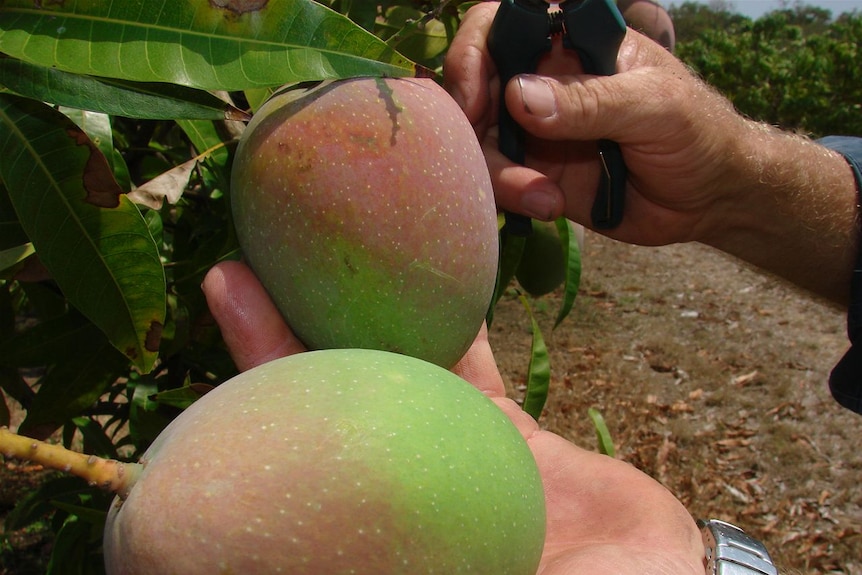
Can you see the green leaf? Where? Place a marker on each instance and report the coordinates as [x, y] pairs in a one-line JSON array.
[[539, 371], [207, 44], [91, 238], [362, 12], [257, 97], [146, 419], [511, 250], [13, 256], [149, 101], [603, 434], [182, 397], [97, 126], [74, 385], [90, 515], [206, 136], [414, 34], [76, 549], [572, 255], [11, 233], [36, 504], [96, 441]]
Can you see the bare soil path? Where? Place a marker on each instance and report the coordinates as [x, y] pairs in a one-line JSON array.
[[713, 379]]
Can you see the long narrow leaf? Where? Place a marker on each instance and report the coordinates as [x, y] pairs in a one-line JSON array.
[[15, 255], [603, 434], [207, 44], [572, 255], [148, 101], [539, 372], [91, 238]]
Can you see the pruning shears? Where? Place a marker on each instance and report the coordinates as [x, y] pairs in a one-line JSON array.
[[521, 33]]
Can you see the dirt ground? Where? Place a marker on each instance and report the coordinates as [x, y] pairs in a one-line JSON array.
[[712, 379]]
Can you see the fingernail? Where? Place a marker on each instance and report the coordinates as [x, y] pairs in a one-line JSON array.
[[538, 205], [537, 96]]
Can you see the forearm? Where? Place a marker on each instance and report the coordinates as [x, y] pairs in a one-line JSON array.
[[793, 212]]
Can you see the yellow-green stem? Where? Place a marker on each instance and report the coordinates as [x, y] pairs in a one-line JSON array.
[[109, 474]]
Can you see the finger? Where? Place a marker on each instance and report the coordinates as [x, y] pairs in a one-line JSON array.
[[520, 189], [468, 67], [479, 367], [628, 107], [251, 325], [564, 108]]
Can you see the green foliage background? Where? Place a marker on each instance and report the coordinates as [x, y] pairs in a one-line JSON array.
[[118, 121], [797, 67]]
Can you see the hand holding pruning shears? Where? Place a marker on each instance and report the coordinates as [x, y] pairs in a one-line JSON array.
[[522, 32]]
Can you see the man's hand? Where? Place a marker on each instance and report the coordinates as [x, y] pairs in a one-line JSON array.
[[698, 171], [604, 516]]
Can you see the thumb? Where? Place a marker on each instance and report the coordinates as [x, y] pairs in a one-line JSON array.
[[578, 108]]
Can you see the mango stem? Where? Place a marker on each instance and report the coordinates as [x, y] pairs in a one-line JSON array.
[[109, 474]]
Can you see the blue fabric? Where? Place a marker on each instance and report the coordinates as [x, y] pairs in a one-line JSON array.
[[845, 381]]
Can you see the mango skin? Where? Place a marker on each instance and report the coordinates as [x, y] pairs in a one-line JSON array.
[[334, 462], [365, 207]]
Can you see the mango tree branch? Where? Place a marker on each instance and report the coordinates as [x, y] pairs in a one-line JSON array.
[[109, 474]]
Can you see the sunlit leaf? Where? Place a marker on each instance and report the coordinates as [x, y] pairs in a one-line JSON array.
[[91, 238], [208, 44], [97, 126], [207, 138], [603, 434], [539, 370], [152, 101], [258, 96], [572, 256], [13, 256]]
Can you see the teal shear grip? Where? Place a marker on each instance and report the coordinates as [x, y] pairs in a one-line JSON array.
[[521, 33]]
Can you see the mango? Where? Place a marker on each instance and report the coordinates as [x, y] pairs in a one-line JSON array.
[[365, 207], [334, 462]]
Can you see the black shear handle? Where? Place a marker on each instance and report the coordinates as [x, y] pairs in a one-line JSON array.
[[519, 36]]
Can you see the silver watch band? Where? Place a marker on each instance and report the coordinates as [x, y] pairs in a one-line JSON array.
[[729, 551]]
